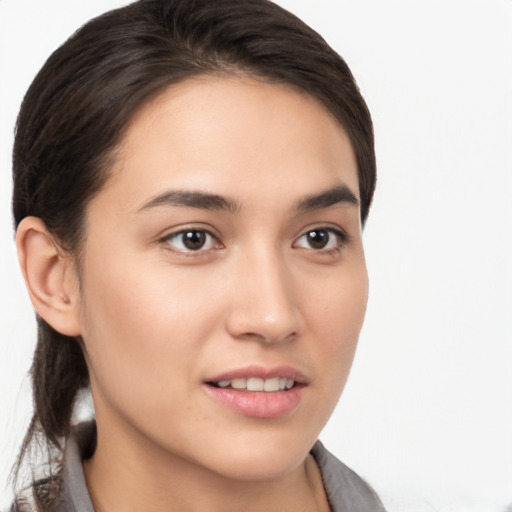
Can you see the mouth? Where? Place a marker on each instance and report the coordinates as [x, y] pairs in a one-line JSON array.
[[259, 392]]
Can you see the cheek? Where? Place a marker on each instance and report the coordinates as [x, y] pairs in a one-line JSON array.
[[141, 326], [146, 299], [336, 314], [339, 300]]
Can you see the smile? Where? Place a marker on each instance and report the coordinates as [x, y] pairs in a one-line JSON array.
[[259, 392], [256, 384]]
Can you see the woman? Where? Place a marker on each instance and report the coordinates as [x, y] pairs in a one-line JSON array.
[[191, 181]]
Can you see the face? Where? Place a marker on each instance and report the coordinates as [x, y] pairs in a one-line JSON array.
[[223, 278]]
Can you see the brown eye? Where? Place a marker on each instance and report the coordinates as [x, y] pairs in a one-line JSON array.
[[194, 240], [318, 239], [190, 240], [321, 239]]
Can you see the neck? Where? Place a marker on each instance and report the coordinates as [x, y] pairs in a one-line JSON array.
[[137, 476]]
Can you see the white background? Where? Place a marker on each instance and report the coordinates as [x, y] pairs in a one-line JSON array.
[[427, 414]]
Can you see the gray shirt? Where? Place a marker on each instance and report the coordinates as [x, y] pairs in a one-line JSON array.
[[346, 491]]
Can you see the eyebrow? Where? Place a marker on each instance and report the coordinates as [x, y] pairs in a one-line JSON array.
[[330, 197], [192, 199], [206, 201]]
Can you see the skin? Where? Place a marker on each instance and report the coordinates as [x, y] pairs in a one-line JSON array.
[[157, 319]]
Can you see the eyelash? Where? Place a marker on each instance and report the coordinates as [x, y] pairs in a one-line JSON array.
[[341, 239], [187, 250]]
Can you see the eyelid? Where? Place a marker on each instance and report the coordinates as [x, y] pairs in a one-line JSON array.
[[343, 237], [165, 240]]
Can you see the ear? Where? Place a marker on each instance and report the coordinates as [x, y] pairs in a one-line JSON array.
[[50, 276]]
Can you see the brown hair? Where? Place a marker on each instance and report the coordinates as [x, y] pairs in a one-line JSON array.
[[74, 114]]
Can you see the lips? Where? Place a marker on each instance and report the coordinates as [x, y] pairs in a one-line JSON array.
[[257, 391]]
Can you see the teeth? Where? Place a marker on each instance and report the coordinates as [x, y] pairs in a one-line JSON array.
[[271, 384], [239, 383], [257, 384]]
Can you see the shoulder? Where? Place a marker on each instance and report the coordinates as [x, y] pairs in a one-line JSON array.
[[345, 489], [69, 489]]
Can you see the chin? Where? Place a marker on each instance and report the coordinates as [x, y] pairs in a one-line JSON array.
[[261, 468], [264, 457]]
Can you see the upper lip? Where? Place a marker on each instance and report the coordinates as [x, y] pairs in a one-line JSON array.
[[262, 372]]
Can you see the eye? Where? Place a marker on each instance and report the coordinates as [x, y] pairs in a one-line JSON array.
[[191, 240], [321, 239]]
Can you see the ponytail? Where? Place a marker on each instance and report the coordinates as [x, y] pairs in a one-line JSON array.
[[58, 372]]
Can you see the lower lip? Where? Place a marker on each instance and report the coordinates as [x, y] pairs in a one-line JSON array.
[[258, 404]]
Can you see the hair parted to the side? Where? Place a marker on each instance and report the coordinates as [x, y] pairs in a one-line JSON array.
[[74, 114]]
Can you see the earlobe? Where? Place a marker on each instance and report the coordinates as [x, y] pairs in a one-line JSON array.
[[49, 275]]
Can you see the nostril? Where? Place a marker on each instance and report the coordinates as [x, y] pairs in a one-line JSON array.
[[288, 337], [267, 338]]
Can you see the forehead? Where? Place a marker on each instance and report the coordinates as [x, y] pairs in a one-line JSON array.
[[234, 136]]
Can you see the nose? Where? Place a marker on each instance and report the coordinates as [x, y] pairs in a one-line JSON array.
[[264, 302]]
